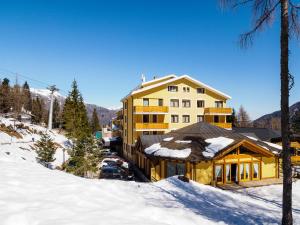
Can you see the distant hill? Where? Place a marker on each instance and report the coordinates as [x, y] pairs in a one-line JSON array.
[[270, 120], [105, 115]]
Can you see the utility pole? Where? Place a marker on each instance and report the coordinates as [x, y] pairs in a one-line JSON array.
[[52, 90]]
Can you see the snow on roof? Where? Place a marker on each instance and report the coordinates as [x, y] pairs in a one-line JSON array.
[[157, 150], [273, 145], [252, 138], [183, 141], [178, 78], [215, 145], [168, 139]]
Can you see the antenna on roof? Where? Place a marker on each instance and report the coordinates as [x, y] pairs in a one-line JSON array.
[[143, 78]]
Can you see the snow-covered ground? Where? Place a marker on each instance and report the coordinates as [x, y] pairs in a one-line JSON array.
[[31, 194], [20, 149]]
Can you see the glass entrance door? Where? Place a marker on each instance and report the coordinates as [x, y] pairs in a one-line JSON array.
[[244, 171]]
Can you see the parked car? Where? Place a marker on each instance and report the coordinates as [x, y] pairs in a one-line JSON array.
[[110, 172]]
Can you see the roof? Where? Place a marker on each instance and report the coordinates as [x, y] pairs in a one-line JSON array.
[[173, 78], [196, 136], [263, 134]]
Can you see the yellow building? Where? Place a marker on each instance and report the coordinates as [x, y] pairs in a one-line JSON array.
[[209, 155], [165, 104]]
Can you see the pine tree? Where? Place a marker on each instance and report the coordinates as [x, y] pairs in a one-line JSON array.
[[74, 116], [16, 99], [232, 118], [5, 96], [296, 123], [45, 149], [38, 110], [56, 114], [95, 124], [27, 101], [84, 157]]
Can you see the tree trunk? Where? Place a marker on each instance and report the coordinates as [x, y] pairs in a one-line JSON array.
[[287, 217]]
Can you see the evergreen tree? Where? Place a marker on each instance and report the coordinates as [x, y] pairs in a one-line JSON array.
[[38, 110], [16, 98], [45, 149], [95, 124], [232, 118], [5, 96], [296, 123], [56, 114], [84, 157], [27, 101], [74, 116]]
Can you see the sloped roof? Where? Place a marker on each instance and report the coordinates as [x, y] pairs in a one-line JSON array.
[[173, 78], [263, 134], [197, 134]]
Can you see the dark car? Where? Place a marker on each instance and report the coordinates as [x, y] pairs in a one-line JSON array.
[[110, 172]]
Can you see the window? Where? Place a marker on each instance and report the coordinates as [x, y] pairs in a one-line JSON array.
[[154, 132], [174, 118], [173, 88], [216, 119], [154, 118], [185, 118], [186, 103], [174, 103], [200, 104], [186, 89], [125, 105], [146, 133], [200, 119], [255, 170], [125, 132], [145, 101], [125, 119], [219, 104], [200, 90], [219, 173], [175, 169], [160, 102], [145, 118]]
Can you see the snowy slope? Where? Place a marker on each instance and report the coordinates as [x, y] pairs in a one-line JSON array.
[[31, 194], [21, 149]]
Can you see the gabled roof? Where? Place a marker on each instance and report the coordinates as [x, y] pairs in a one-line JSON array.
[[140, 88], [263, 134], [196, 136]]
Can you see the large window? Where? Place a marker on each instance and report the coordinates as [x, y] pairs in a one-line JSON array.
[[125, 105], [244, 171], [173, 88], [200, 90], [145, 118], [185, 118], [186, 103], [186, 89], [174, 103], [154, 118], [219, 104], [174, 119], [175, 169], [255, 171], [200, 104], [145, 101], [219, 173], [200, 118]]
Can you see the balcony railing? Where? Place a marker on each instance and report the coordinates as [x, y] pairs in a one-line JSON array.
[[151, 109], [216, 111], [223, 125], [151, 126]]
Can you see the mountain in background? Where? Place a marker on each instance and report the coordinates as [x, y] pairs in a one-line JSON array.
[[105, 115], [272, 120]]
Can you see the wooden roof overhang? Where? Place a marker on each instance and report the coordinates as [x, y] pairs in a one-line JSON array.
[[247, 144]]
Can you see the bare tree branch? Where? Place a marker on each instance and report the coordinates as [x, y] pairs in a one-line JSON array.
[[294, 21], [233, 3], [246, 39], [293, 5]]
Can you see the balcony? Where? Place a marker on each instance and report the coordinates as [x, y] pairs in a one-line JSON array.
[[151, 126], [217, 111], [151, 109], [223, 125]]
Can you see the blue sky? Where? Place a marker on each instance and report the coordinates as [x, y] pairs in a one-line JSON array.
[[107, 45]]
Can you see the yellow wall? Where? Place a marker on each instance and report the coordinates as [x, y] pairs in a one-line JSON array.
[[204, 172], [269, 167]]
